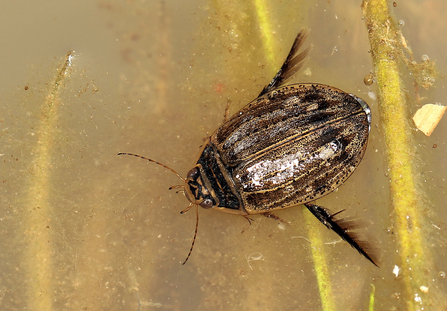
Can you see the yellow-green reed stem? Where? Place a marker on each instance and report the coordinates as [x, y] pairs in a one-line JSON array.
[[38, 217], [266, 31], [320, 263], [384, 37], [371, 298]]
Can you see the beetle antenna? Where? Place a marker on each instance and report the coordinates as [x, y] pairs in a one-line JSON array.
[[195, 233], [153, 161]]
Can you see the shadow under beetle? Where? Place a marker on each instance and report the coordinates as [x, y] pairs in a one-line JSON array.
[[292, 145]]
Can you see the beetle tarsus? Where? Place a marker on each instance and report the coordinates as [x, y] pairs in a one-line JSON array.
[[248, 219], [227, 111], [177, 186], [187, 208], [342, 228]]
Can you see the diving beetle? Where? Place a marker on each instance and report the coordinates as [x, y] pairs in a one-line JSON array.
[[292, 145]]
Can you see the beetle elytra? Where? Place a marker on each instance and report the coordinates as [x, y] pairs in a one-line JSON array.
[[293, 144]]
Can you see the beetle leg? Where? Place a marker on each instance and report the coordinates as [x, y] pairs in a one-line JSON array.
[[177, 186], [248, 219], [342, 228], [273, 216], [187, 208], [227, 111], [292, 64]]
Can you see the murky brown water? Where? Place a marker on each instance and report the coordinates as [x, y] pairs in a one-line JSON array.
[[84, 229]]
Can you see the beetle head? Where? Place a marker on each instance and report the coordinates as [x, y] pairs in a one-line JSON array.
[[196, 191]]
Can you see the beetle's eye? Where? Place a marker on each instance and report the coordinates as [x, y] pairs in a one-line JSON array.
[[207, 203], [191, 173]]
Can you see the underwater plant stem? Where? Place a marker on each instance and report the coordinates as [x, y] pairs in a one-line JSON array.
[[262, 11], [319, 259], [38, 217], [320, 263], [372, 298], [314, 233], [384, 37]]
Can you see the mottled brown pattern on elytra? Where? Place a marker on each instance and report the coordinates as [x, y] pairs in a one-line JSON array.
[[268, 121]]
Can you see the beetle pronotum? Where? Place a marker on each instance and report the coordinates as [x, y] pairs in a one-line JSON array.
[[292, 145]]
